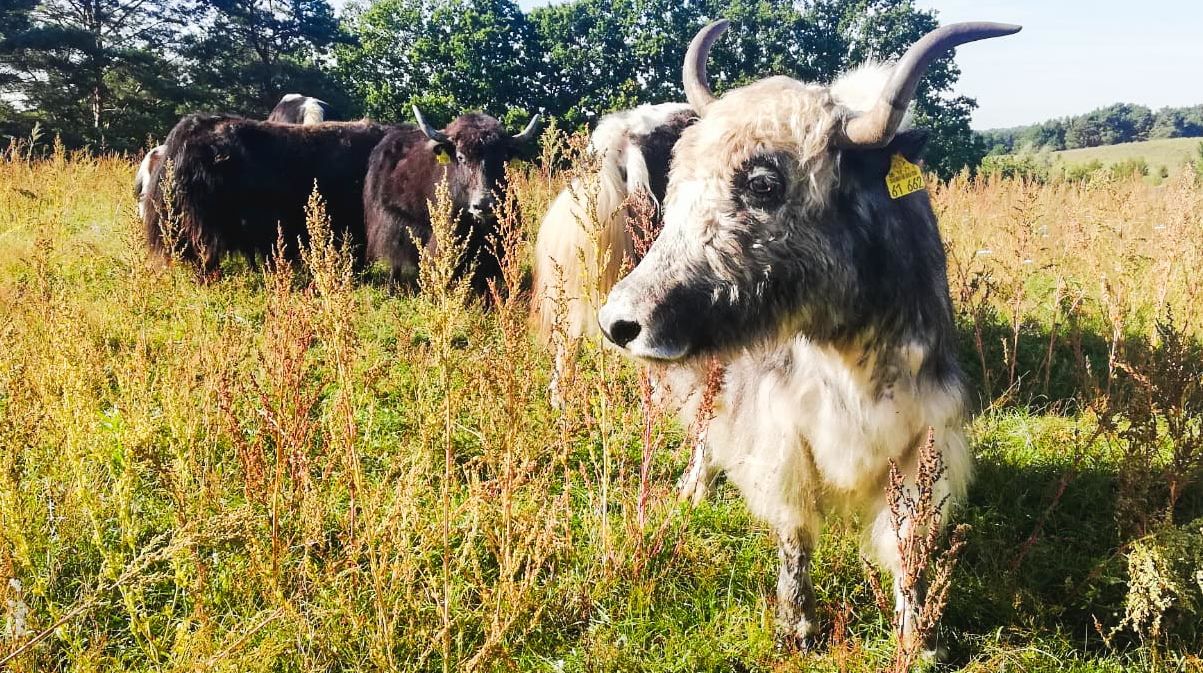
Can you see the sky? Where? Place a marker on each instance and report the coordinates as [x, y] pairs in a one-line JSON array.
[[1073, 56]]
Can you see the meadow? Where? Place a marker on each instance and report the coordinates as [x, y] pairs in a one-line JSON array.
[[295, 468], [1170, 153]]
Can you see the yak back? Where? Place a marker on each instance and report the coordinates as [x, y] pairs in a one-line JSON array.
[[237, 180]]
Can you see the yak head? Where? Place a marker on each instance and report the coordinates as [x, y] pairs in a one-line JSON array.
[[474, 150], [778, 219]]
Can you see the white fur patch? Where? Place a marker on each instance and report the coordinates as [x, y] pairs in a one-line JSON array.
[[860, 88]]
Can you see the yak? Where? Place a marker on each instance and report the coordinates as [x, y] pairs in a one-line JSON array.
[[572, 263], [586, 239], [295, 108], [470, 155], [142, 178], [237, 183], [801, 251]]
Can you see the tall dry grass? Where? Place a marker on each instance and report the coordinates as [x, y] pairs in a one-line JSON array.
[[289, 468]]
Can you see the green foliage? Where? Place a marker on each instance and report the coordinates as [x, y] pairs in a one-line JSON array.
[[1083, 172], [1119, 123], [92, 72], [1028, 166], [109, 73], [1130, 168], [446, 56], [253, 51]]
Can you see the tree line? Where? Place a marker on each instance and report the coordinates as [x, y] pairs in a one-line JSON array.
[[111, 74], [1118, 123]]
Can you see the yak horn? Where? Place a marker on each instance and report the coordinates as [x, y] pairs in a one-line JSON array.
[[876, 127], [430, 131], [697, 91], [530, 132]]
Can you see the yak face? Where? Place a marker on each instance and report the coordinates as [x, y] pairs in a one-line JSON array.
[[751, 246], [474, 150], [772, 231], [778, 221]]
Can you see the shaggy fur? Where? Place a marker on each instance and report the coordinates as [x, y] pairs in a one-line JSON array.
[[579, 254], [294, 108], [237, 181], [828, 303], [401, 180]]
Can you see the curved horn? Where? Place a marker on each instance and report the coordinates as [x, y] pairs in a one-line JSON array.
[[697, 90], [530, 132], [876, 127], [430, 131]]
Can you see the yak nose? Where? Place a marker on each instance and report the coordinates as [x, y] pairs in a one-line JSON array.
[[617, 327], [623, 332], [482, 208]]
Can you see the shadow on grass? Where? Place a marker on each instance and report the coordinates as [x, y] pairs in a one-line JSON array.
[[1070, 574], [1038, 369]]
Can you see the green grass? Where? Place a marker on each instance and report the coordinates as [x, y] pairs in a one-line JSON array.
[[1171, 153], [295, 472]]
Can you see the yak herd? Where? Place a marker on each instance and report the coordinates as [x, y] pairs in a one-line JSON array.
[[798, 249]]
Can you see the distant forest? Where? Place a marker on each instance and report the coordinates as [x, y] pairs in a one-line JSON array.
[[1119, 123], [113, 75]]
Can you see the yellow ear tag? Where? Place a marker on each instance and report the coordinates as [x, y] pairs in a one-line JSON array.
[[904, 177], [441, 155]]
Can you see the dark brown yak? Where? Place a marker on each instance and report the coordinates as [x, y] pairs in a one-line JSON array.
[[470, 154]]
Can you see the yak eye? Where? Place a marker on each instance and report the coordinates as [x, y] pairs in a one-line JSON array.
[[763, 182], [459, 156]]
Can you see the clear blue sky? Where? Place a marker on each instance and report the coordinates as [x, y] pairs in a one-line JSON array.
[[1076, 55], [1072, 56]]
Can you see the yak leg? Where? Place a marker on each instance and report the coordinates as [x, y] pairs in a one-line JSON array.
[[699, 477], [908, 600], [795, 592]]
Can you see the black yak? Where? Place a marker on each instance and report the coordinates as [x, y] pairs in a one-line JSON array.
[[236, 182]]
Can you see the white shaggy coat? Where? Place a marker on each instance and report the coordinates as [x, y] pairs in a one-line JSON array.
[[580, 250], [803, 429]]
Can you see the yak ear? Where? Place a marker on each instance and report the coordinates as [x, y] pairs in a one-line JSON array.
[[528, 151], [910, 144], [875, 163]]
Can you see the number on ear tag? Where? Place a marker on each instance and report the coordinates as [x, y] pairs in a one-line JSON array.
[[904, 177]]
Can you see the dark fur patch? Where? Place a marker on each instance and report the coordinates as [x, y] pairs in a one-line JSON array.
[[657, 148], [401, 182], [237, 180]]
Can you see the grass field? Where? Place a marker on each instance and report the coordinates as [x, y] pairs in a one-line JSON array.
[[1172, 153], [295, 470]]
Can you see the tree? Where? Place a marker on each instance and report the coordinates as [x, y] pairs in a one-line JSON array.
[[447, 56], [85, 67], [250, 52]]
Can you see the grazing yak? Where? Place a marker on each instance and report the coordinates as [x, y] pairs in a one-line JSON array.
[[235, 181], [470, 154], [294, 108], [800, 249], [574, 264], [142, 178]]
